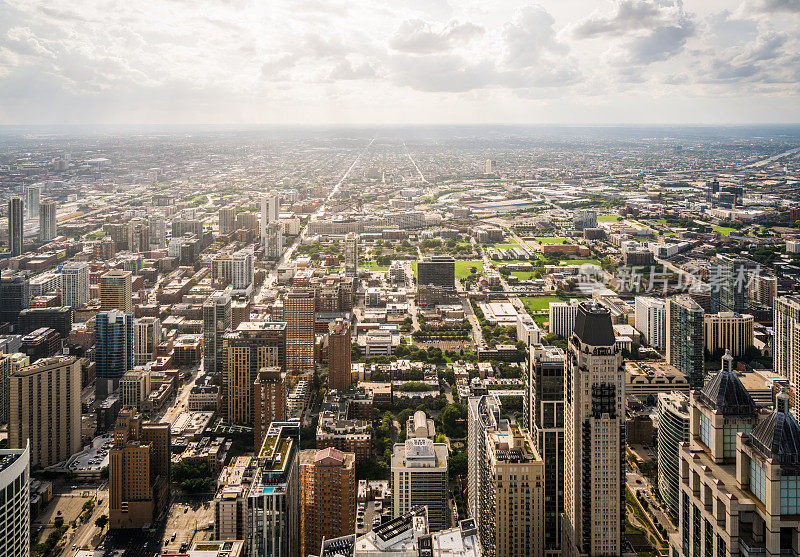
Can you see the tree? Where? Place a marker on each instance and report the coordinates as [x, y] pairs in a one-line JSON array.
[[101, 521], [355, 352]]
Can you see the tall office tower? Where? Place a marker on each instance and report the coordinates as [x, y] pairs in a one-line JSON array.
[[339, 354], [673, 429], [764, 289], [685, 338], [734, 280], [116, 291], [242, 270], [158, 230], [252, 346], [273, 248], [505, 483], [584, 218], [46, 408], [327, 497], [138, 471], [113, 349], [439, 270], [16, 223], [146, 338], [543, 413], [6, 368], [738, 476], [47, 221], [273, 505], [216, 322], [299, 313], [15, 294], [351, 255], [651, 321], [269, 213], [75, 284], [728, 330], [594, 440], [15, 514], [33, 195], [786, 338], [227, 220], [270, 401], [562, 317], [419, 477]]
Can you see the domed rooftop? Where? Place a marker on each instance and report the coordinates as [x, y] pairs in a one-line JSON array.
[[726, 394], [778, 437]]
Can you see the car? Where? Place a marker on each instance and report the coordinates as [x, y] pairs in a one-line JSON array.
[[185, 510]]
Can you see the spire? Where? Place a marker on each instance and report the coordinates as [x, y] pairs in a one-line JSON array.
[[727, 361]]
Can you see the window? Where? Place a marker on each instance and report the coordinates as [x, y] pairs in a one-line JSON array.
[[706, 430], [790, 495], [758, 482]]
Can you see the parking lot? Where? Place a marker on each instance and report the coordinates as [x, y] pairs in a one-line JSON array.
[[367, 513], [188, 519], [67, 503]]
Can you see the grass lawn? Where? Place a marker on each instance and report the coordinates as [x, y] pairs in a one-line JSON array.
[[373, 266], [414, 267], [724, 230], [607, 218], [538, 304], [579, 262], [463, 268], [506, 246], [541, 320], [522, 275], [550, 240]]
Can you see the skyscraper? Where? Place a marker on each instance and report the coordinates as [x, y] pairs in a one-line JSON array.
[[651, 320], [252, 346], [46, 409], [505, 476], [216, 322], [543, 413], [270, 401], [242, 270], [227, 220], [562, 317], [138, 471], [685, 338], [339, 354], [47, 221], [327, 497], [273, 502], [146, 338], [351, 255], [16, 223], [673, 429], [734, 279], [158, 230], [273, 247], [269, 213], [419, 477], [116, 291], [728, 331], [75, 284], [594, 438], [299, 313], [786, 343], [15, 513], [15, 294], [33, 195], [113, 349]]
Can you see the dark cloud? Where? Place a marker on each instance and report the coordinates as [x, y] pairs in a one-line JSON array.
[[629, 15], [774, 6], [416, 36], [658, 45]]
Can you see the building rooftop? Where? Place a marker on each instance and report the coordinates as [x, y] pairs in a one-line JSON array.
[[593, 325], [726, 393]]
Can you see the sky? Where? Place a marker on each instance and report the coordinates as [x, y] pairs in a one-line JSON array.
[[362, 62]]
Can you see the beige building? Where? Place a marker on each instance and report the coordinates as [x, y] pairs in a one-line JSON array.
[[230, 502], [116, 291], [146, 338], [727, 330], [134, 387], [270, 401], [594, 438], [419, 477], [339, 355], [46, 408], [299, 314]]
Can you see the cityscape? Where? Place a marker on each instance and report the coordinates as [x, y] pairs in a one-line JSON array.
[[412, 279]]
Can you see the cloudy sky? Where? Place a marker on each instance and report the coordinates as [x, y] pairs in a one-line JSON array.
[[399, 61]]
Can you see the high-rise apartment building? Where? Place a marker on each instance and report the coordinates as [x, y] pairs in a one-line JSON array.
[[327, 497], [733, 283], [146, 338], [46, 409], [217, 317], [242, 270], [15, 513], [252, 346], [543, 416], [673, 429], [728, 331], [273, 246], [33, 196], [594, 438], [134, 388], [15, 294], [505, 475], [439, 270], [763, 289], [158, 230], [351, 255], [138, 471], [47, 221], [6, 367], [273, 502], [584, 218], [270, 401], [339, 354], [685, 338], [562, 317], [269, 214], [419, 477], [113, 349], [75, 284], [227, 220], [116, 291], [651, 321], [16, 222], [786, 343], [299, 314]]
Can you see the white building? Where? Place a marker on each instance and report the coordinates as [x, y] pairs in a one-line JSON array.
[[786, 343], [15, 513], [792, 246], [47, 221], [351, 255], [146, 338], [562, 317], [75, 284], [419, 477], [242, 269], [651, 321]]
